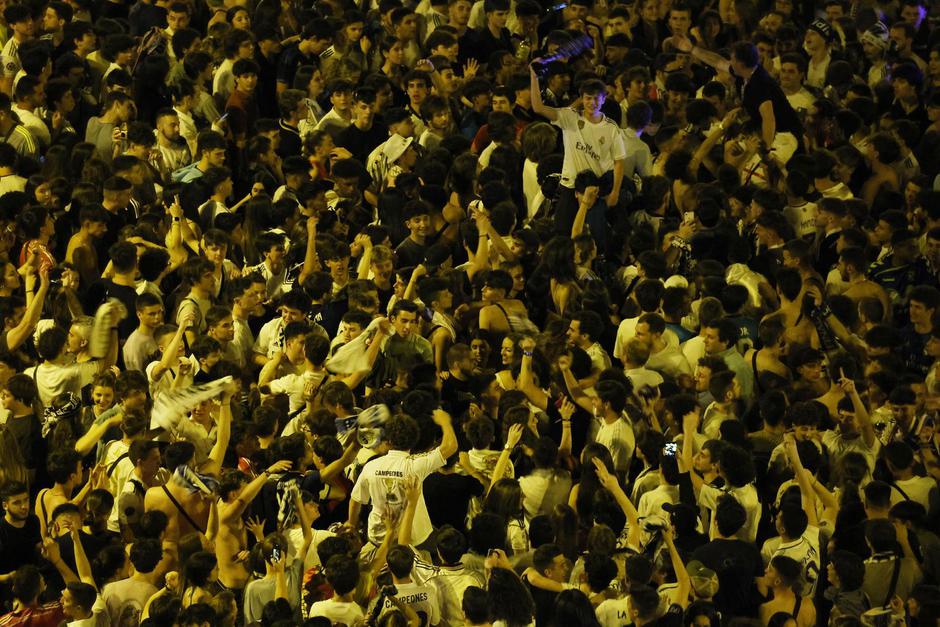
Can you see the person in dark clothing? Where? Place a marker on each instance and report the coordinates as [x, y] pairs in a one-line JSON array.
[[448, 493], [737, 562], [363, 135]]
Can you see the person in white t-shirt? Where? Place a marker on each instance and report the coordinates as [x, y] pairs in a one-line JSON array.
[[382, 481], [342, 573], [422, 598], [56, 375], [591, 142]]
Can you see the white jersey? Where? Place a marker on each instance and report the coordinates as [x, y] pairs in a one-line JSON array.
[[588, 146], [804, 550], [382, 483]]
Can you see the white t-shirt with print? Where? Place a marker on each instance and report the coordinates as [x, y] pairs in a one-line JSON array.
[[588, 146]]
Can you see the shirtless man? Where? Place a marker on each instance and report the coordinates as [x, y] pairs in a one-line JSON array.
[[852, 267], [799, 328], [231, 542], [188, 511], [81, 249]]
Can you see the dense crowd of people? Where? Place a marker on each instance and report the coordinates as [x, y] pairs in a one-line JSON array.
[[469, 313]]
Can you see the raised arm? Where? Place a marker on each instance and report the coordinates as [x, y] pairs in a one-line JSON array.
[[223, 432], [449, 440], [808, 495], [689, 428], [525, 383], [170, 355], [708, 57], [335, 467], [311, 262], [538, 106], [231, 511], [512, 440], [682, 575], [81, 559], [18, 334], [865, 426], [567, 411], [88, 441], [588, 198]]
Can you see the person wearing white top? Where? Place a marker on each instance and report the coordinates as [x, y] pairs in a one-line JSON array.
[[382, 482], [591, 142]]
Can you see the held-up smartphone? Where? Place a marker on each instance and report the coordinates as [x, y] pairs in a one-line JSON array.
[[688, 217], [275, 554], [670, 449], [222, 118]]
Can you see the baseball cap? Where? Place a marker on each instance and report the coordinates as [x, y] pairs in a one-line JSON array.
[[704, 579]]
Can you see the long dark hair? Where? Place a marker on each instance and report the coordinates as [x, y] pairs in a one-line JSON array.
[[572, 607], [590, 484], [512, 602]]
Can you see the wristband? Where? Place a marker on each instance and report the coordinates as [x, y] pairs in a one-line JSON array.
[[527, 353], [507, 448]]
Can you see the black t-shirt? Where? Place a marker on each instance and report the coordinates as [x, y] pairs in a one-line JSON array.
[[736, 563], [18, 545], [104, 289], [447, 498], [361, 142], [410, 253], [484, 44], [544, 603], [760, 88], [27, 431]]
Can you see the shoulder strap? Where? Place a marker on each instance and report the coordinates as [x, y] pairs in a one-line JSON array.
[[42, 504], [894, 582], [898, 488], [508, 319], [796, 606], [756, 373], [182, 511], [115, 463]]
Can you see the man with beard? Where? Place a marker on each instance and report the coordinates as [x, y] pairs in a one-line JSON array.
[[19, 530]]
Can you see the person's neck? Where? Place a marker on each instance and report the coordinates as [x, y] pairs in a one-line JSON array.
[[198, 293], [110, 117], [219, 198], [902, 474], [782, 593], [417, 239], [239, 313], [128, 279], [855, 279], [657, 345], [819, 56], [879, 168], [495, 31], [789, 91], [363, 124], [611, 417], [19, 524], [923, 327], [26, 106]]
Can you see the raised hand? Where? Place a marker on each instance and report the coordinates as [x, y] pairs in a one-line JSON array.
[[279, 467], [514, 435], [607, 480], [567, 408], [256, 527]]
